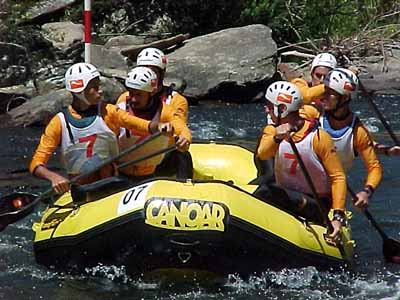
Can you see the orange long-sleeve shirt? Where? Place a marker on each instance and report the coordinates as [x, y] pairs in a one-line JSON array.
[[309, 93], [168, 114], [363, 144], [114, 117], [325, 151], [180, 106]]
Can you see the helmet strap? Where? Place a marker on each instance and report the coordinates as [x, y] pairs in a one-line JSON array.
[[81, 97], [345, 111]]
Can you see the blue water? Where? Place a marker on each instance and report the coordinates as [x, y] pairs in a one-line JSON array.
[[372, 278]]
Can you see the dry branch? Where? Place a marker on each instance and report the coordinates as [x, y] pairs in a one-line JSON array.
[[132, 52]]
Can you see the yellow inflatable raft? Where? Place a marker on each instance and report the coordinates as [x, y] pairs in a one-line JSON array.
[[211, 223]]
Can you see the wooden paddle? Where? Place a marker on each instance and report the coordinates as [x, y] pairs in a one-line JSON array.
[[16, 206], [391, 247], [379, 114]]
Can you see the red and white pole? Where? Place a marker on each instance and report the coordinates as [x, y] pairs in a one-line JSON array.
[[87, 21]]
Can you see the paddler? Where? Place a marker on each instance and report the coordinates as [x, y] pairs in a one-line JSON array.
[[87, 131], [141, 100], [176, 162], [350, 136], [315, 147], [314, 91]]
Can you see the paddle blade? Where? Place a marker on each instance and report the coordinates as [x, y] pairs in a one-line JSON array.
[[16, 206], [391, 250]]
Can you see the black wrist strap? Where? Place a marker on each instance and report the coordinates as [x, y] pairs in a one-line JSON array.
[[369, 190], [339, 215]]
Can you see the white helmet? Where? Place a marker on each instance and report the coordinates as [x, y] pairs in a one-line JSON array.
[[142, 78], [323, 60], [342, 81], [152, 57], [284, 93], [79, 75], [349, 73]]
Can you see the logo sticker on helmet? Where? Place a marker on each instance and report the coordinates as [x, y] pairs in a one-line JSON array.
[[164, 59], [153, 83], [284, 98], [76, 83], [348, 86]]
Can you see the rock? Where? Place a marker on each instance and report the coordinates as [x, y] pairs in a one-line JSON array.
[[108, 58], [115, 73], [14, 64], [129, 40], [38, 111], [232, 64], [45, 8], [14, 96], [385, 83], [112, 89], [63, 34], [376, 81]]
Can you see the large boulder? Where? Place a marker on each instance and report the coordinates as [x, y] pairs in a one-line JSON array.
[[129, 40], [63, 34], [40, 109], [13, 96], [44, 9], [37, 111], [108, 58], [233, 64]]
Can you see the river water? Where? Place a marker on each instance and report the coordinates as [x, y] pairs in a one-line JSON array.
[[21, 278]]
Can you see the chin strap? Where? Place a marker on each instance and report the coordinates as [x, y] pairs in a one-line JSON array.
[[338, 118], [340, 105], [82, 97]]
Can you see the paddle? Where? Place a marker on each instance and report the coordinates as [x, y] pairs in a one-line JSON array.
[[314, 191], [379, 114], [16, 206], [147, 156], [310, 183], [391, 247]]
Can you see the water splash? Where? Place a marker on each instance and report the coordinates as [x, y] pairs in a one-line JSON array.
[[110, 272]]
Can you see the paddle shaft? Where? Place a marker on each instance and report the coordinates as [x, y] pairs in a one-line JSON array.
[[307, 176], [106, 162], [310, 183], [379, 114], [369, 216], [147, 156]]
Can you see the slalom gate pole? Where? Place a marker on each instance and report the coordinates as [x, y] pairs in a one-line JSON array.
[[87, 21]]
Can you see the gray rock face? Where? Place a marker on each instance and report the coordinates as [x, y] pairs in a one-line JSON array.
[[63, 34], [112, 89], [14, 64], [40, 109], [14, 96], [128, 40], [37, 111], [226, 63], [108, 58], [46, 7]]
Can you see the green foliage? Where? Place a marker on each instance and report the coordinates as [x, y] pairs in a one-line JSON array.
[[290, 20], [298, 20]]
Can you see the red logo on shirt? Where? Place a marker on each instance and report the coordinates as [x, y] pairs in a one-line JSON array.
[[76, 84], [285, 98]]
